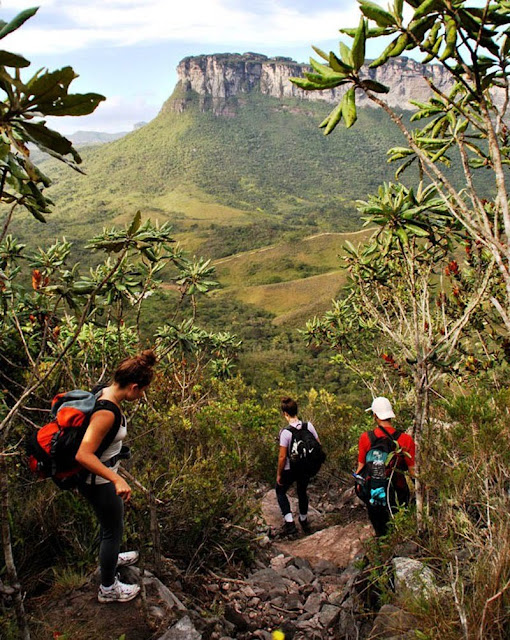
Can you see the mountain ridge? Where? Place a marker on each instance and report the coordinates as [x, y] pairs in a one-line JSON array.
[[216, 78]]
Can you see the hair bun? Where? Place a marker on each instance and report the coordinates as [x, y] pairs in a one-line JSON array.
[[147, 358]]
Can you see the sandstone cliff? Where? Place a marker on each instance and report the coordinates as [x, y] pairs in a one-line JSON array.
[[216, 78]]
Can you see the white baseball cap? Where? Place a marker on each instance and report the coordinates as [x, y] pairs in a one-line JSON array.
[[382, 408]]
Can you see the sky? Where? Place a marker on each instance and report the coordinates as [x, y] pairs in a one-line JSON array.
[[128, 50]]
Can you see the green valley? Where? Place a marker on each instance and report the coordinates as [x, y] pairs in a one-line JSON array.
[[265, 165], [258, 189]]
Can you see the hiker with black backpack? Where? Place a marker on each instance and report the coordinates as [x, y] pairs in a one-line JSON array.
[[103, 487], [384, 455], [300, 458]]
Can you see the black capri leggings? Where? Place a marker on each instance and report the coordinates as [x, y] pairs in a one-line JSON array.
[[109, 509], [301, 485]]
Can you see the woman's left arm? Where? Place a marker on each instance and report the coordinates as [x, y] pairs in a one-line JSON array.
[[100, 423]]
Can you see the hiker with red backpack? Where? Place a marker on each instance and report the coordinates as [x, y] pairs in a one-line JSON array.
[[300, 458], [81, 447], [103, 487], [384, 455]]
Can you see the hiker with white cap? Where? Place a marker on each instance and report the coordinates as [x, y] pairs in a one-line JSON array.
[[384, 455]]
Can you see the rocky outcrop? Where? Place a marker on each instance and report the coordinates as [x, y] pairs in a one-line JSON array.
[[214, 79]]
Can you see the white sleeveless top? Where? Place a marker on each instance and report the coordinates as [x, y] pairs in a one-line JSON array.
[[111, 451]]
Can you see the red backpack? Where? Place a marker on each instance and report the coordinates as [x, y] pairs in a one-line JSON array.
[[52, 449]]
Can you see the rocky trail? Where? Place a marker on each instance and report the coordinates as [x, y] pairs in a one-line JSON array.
[[307, 587]]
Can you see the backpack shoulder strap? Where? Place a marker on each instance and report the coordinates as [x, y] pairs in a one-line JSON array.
[[304, 425], [394, 436], [108, 405], [372, 437]]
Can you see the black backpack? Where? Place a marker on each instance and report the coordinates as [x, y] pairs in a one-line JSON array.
[[306, 455], [372, 484]]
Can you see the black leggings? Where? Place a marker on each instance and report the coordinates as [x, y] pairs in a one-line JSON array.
[[380, 515], [109, 509], [281, 492]]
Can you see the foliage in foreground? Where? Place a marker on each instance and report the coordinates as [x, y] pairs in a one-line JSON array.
[[465, 537]]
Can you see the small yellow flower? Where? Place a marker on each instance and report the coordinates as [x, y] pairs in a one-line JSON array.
[[278, 635]]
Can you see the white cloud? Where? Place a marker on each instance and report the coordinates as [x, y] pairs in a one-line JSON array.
[[83, 24]]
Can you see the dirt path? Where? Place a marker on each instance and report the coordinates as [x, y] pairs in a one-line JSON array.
[[297, 585], [345, 236], [337, 544]]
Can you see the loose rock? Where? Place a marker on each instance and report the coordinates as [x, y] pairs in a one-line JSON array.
[[412, 576], [182, 630], [329, 615]]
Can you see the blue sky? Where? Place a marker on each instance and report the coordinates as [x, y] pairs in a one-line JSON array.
[[128, 49]]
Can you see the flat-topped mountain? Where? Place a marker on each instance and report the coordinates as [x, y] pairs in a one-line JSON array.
[[216, 78], [235, 159]]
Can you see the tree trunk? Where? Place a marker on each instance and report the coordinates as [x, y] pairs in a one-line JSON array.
[[154, 529], [421, 415], [11, 573]]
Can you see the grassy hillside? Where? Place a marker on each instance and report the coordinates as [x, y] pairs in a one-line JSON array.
[[258, 174], [259, 189], [285, 261], [290, 280], [265, 168]]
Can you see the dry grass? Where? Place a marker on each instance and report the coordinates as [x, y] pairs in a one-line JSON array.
[[196, 206], [294, 299], [321, 251], [296, 296]]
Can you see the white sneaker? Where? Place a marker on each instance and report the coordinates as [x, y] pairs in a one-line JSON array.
[[119, 592], [127, 558]]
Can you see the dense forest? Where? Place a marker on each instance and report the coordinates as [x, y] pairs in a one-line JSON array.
[[421, 315]]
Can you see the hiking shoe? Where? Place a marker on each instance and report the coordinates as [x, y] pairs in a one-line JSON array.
[[305, 525], [288, 530], [127, 558], [119, 592]]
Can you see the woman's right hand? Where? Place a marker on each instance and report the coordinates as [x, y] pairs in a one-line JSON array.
[[122, 489]]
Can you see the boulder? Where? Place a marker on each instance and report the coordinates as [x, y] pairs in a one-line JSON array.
[[392, 622], [132, 575], [338, 545], [267, 583], [413, 577]]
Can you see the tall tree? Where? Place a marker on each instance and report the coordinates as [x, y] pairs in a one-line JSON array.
[[22, 108], [59, 323], [393, 279], [407, 294], [471, 43]]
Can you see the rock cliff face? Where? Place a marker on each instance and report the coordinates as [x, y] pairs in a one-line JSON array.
[[216, 78]]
